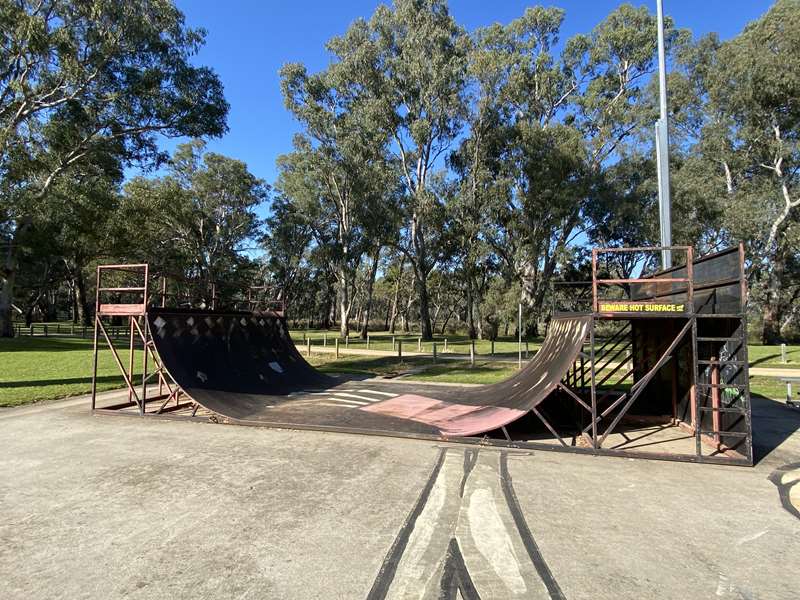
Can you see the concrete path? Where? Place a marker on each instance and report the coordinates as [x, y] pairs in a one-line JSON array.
[[774, 372], [123, 507]]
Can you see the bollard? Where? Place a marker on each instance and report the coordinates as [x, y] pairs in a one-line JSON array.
[[419, 344], [367, 341], [324, 339], [492, 350], [472, 353], [526, 349], [72, 329], [399, 350], [45, 330], [308, 346], [347, 341], [445, 344], [31, 329], [434, 352], [783, 353], [337, 347], [304, 337], [394, 343]]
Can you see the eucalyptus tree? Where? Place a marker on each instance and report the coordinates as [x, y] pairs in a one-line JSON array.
[[739, 105], [198, 221], [522, 166], [81, 210], [80, 77], [568, 112], [287, 240], [338, 175], [408, 61], [478, 163]]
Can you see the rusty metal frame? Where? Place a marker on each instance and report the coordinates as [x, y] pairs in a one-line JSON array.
[[603, 357], [138, 333], [580, 384], [688, 280]]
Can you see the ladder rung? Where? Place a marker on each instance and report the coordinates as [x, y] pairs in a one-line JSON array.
[[719, 339], [730, 409], [722, 362], [733, 386], [740, 434]]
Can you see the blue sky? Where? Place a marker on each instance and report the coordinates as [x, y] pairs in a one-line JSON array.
[[249, 40]]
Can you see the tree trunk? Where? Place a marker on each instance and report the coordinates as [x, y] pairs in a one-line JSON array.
[[370, 287], [79, 289], [447, 320], [396, 297], [73, 303], [774, 304], [344, 305], [424, 303], [326, 318], [6, 297], [470, 309], [8, 272], [421, 270]]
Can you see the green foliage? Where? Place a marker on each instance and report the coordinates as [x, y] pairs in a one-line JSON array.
[[88, 85], [440, 176], [77, 76], [740, 125], [197, 221]]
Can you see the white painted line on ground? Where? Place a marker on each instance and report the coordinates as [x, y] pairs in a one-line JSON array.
[[346, 401], [376, 392], [346, 395]]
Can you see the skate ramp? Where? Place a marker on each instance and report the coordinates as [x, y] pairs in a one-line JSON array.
[[245, 367]]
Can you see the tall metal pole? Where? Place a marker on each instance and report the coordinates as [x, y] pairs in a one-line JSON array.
[[662, 145]]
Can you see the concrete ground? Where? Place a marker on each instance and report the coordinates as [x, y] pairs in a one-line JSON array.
[[122, 507]]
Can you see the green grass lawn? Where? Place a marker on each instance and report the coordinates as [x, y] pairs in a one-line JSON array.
[[419, 368], [382, 340], [33, 369], [769, 387], [770, 356]]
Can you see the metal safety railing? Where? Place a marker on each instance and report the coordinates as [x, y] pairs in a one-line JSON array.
[[656, 278]]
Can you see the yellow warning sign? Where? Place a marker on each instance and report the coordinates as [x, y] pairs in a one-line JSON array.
[[641, 307]]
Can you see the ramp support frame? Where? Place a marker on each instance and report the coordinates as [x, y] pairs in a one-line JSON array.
[[133, 313]]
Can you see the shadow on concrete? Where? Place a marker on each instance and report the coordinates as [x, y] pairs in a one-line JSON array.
[[773, 423], [71, 380]]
